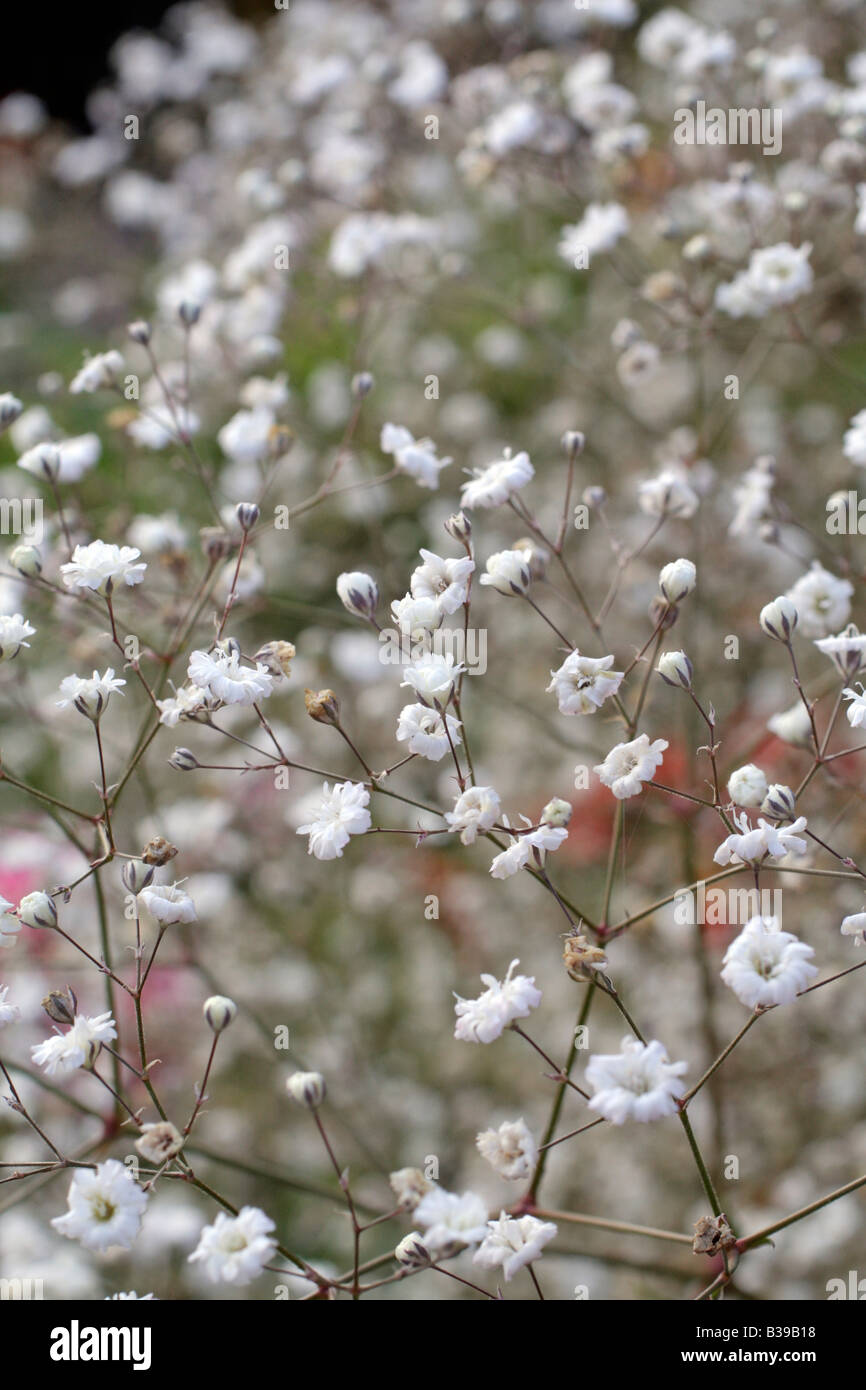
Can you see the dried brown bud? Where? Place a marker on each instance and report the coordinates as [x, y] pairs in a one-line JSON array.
[[323, 706], [61, 1005], [582, 959], [158, 850], [712, 1234], [159, 1142], [277, 656]]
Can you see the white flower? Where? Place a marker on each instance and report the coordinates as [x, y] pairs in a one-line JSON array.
[[520, 851], [638, 1082], [235, 1249], [446, 580], [677, 579], [105, 1207], [667, 495], [221, 674], [751, 496], [13, 630], [9, 926], [156, 534], [185, 702], [9, 1013], [341, 814], [90, 694], [515, 125], [629, 765], [775, 275], [779, 618], [423, 730], [747, 786], [97, 373], [475, 810], [417, 457], [823, 601], [510, 1150], [599, 229], [78, 1047], [358, 593], [856, 710], [765, 965], [63, 462], [498, 481], [167, 902], [851, 926], [482, 1020], [513, 1242], [749, 845], [416, 617], [159, 427], [433, 676], [583, 683], [854, 442], [450, 1220], [847, 650], [246, 437], [792, 725], [100, 566], [508, 572]]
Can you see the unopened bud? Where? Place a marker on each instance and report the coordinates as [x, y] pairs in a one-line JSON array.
[[412, 1253], [61, 1005], [362, 385], [247, 514], [323, 706], [215, 542], [459, 528], [573, 444], [358, 593], [219, 1012], [779, 618], [27, 560], [663, 614], [676, 669], [184, 760], [677, 579], [594, 497], [307, 1088], [189, 313], [37, 910], [136, 875], [779, 802], [10, 409], [140, 332]]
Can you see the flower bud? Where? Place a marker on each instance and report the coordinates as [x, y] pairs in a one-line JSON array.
[[779, 802], [508, 572], [582, 959], [747, 786], [358, 593], [183, 760], [27, 560], [323, 706], [307, 1088], [158, 850], [412, 1253], [573, 444], [277, 656], [662, 613], [557, 812], [159, 1142], [219, 1012], [779, 618], [409, 1186], [189, 313], [676, 669], [140, 332], [362, 384], [61, 1005], [45, 460], [247, 514], [37, 910], [215, 542], [10, 409], [459, 528], [594, 497], [136, 875], [677, 579]]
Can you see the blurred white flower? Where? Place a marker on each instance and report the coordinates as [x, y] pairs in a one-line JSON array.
[[449, 1220], [14, 629], [823, 601], [9, 1012], [221, 674], [498, 481], [167, 903], [482, 1020]]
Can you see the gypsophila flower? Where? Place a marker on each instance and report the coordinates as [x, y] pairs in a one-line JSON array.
[[637, 1083], [747, 786], [677, 579], [493, 485], [185, 703], [583, 683], [423, 730], [508, 572], [417, 617], [823, 601], [449, 1221], [847, 650], [475, 810], [100, 567], [433, 677], [629, 765], [779, 618], [856, 711], [510, 1150], [792, 725], [307, 1088], [222, 676], [342, 813], [98, 373], [527, 847], [79, 1047], [409, 1185], [676, 669], [667, 495], [482, 1020], [765, 965], [415, 457], [599, 230], [445, 580], [855, 926], [9, 1012], [14, 629], [90, 695], [235, 1249], [750, 844], [106, 1207], [512, 1243], [37, 910], [168, 903]]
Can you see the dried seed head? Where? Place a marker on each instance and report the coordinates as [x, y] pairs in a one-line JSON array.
[[61, 1005], [277, 656], [712, 1234], [582, 959], [159, 1142], [323, 706], [158, 850]]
